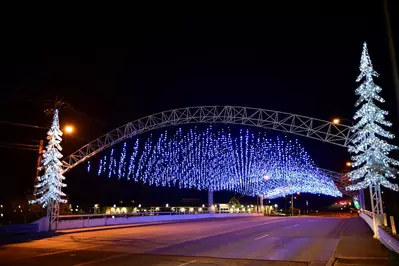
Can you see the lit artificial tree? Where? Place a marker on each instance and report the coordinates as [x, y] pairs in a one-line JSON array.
[[373, 166], [49, 192]]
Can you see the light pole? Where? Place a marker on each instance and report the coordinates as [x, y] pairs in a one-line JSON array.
[[292, 205]]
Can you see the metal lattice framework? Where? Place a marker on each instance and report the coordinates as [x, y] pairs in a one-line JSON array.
[[340, 135], [341, 181]]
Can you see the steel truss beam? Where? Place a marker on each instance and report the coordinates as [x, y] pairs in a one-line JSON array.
[[325, 131]]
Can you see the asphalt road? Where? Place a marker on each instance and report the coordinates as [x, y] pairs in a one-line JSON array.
[[235, 241]]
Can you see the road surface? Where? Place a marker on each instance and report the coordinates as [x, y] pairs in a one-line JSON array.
[[234, 241]]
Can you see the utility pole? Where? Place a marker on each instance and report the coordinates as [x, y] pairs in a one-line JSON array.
[[392, 54], [39, 161]]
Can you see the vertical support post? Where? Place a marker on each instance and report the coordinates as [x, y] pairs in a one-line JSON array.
[[211, 209], [53, 212], [262, 210], [292, 205], [38, 164], [385, 219], [376, 207], [393, 226], [361, 199], [381, 208]]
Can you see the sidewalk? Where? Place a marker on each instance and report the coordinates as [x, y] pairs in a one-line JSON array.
[[357, 247]]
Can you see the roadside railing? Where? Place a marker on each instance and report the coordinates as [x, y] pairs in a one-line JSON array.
[[138, 214], [387, 240], [368, 218], [369, 213], [375, 223]]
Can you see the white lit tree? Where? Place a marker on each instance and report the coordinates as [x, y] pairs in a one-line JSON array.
[[373, 166], [50, 184]]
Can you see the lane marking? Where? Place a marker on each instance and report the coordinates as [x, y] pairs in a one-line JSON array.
[[261, 237], [103, 259], [295, 225], [229, 231], [187, 263]]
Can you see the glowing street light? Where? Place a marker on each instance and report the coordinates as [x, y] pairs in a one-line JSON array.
[[348, 164], [69, 129], [338, 121]]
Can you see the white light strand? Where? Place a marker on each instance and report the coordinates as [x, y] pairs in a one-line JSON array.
[[50, 184], [219, 160], [371, 159]]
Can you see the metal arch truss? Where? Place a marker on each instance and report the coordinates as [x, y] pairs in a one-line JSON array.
[[341, 181], [313, 128]]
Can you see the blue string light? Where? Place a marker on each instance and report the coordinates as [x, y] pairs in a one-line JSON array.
[[246, 163]]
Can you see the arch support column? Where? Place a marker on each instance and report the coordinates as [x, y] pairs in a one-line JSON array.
[[211, 208], [361, 199], [261, 209]]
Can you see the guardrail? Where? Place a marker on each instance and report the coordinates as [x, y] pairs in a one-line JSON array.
[[369, 213], [18, 229], [387, 240], [138, 214], [95, 220], [368, 218]]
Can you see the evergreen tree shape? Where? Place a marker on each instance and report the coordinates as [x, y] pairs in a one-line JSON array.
[[50, 184], [371, 160]]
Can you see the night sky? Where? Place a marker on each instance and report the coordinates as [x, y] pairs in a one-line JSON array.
[[303, 61]]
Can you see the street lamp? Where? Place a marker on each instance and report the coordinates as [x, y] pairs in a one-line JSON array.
[[69, 129], [348, 164], [338, 121]]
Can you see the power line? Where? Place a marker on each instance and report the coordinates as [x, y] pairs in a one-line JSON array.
[[59, 103], [22, 125], [19, 144], [18, 148]]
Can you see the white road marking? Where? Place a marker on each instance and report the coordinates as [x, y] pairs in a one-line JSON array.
[[295, 225], [261, 237], [187, 263], [230, 231]]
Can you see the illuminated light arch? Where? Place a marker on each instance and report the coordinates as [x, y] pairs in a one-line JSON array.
[[325, 131]]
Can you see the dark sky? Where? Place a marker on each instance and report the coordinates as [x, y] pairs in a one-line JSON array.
[[303, 60]]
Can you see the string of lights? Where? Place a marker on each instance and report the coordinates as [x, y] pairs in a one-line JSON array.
[[243, 162], [371, 160], [51, 182]]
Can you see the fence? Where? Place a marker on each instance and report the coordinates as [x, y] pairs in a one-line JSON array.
[[93, 220]]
